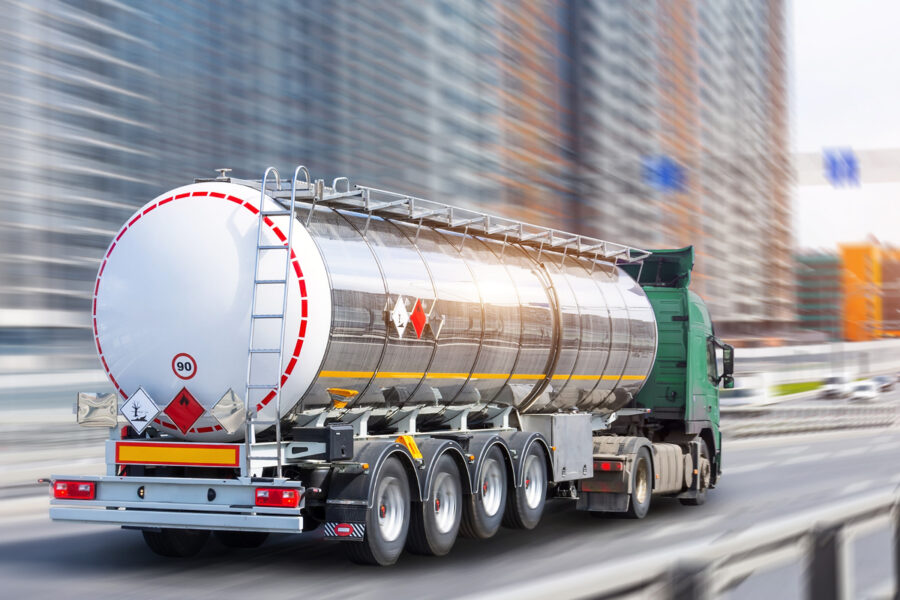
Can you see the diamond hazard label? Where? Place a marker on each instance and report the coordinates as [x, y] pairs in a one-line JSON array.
[[400, 316], [418, 318], [140, 410], [184, 410]]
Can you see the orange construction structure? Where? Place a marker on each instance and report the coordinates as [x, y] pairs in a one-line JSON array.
[[862, 282], [890, 292]]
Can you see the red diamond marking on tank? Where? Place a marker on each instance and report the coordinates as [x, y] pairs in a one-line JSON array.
[[184, 410], [418, 318]]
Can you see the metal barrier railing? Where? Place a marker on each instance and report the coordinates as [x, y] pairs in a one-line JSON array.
[[708, 567], [757, 421]]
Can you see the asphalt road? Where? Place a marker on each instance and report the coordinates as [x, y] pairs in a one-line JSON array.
[[764, 479]]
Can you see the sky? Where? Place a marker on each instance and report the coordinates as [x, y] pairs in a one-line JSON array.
[[845, 89]]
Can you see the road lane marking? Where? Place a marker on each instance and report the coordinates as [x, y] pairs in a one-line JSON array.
[[805, 458], [726, 471], [886, 446], [790, 450], [855, 488], [854, 451], [693, 525]]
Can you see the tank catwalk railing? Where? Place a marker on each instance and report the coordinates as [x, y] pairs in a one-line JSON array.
[[419, 211], [437, 305], [711, 566]]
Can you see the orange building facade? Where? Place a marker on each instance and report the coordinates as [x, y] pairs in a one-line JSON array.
[[862, 282], [890, 292]]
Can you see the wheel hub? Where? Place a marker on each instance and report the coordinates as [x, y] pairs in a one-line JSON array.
[[534, 481], [491, 490], [391, 509], [445, 502]]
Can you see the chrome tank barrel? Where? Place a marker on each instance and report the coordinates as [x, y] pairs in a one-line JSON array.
[[391, 312], [425, 316]]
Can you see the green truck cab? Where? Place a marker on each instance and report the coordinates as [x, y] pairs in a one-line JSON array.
[[682, 391]]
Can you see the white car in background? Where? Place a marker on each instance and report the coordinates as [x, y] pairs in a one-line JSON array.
[[749, 390], [864, 390], [837, 386]]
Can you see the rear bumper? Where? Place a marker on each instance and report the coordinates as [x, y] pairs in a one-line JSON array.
[[180, 503]]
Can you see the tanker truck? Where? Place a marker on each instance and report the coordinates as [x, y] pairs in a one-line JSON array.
[[387, 370]]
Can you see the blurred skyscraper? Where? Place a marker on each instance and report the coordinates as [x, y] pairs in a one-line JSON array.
[[702, 84], [820, 293], [547, 111]]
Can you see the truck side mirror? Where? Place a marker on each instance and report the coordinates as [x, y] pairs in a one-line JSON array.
[[728, 382], [728, 360]]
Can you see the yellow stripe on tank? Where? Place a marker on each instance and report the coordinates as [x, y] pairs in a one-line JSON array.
[[599, 377], [411, 375], [350, 374]]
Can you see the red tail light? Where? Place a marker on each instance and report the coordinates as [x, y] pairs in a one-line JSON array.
[[74, 490], [609, 466], [277, 497]]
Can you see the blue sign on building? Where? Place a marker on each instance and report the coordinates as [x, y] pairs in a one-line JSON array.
[[841, 167], [664, 174]]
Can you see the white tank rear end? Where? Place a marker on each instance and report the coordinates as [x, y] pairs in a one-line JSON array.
[[171, 306]]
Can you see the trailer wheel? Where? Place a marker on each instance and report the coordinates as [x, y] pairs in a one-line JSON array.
[[641, 485], [434, 524], [387, 521], [704, 472], [483, 510], [242, 539], [525, 505], [176, 543]]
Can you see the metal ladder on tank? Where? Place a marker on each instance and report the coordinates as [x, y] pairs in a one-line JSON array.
[[276, 353]]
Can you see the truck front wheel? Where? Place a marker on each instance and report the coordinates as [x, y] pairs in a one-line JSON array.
[[704, 473], [176, 543], [641, 485], [387, 521]]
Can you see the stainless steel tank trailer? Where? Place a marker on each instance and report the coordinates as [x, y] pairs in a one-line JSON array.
[[287, 356]]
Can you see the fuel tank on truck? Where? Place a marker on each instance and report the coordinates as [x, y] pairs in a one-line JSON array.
[[392, 311]]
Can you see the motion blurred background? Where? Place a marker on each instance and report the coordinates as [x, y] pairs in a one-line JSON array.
[[651, 123], [765, 133]]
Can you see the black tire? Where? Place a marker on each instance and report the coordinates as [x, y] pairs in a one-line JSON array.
[[525, 504], [387, 521], [242, 539], [641, 485], [483, 510], [176, 543], [705, 479], [434, 524]]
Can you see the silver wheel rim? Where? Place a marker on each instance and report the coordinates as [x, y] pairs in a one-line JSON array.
[[491, 480], [641, 477], [390, 509], [444, 504], [534, 481]]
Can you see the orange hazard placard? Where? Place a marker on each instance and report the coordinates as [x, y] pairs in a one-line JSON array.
[[168, 453]]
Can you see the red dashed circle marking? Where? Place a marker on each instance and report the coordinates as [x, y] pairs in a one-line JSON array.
[[301, 334]]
